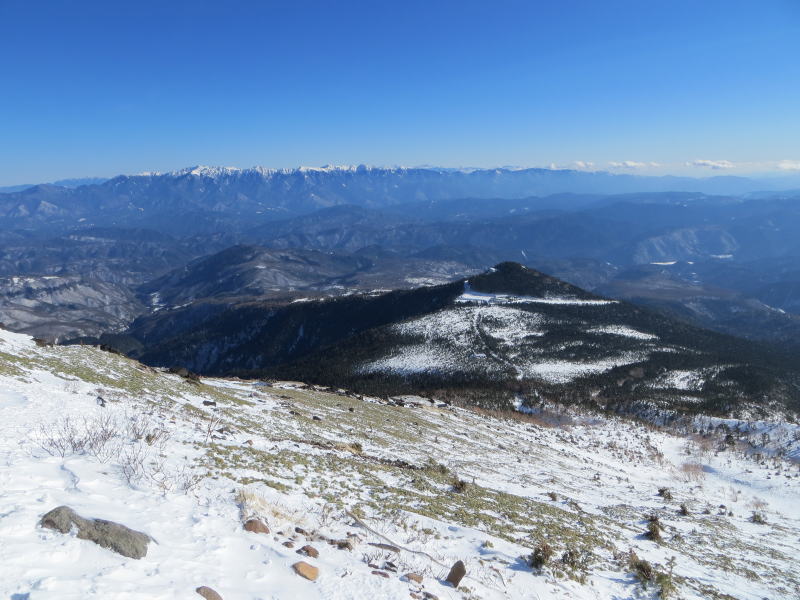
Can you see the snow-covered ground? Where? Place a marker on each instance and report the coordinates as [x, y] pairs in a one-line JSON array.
[[624, 332], [471, 295], [462, 338], [438, 484]]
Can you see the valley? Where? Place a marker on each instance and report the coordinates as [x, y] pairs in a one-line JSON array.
[[724, 262]]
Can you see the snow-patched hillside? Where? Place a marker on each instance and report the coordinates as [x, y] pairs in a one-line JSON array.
[[500, 333], [186, 462]]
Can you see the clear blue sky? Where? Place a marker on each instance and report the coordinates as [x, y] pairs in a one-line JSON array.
[[106, 87]]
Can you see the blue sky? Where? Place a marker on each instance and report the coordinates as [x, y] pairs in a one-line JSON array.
[[98, 88]]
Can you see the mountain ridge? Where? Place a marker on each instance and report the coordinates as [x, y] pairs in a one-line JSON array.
[[210, 197], [486, 338]]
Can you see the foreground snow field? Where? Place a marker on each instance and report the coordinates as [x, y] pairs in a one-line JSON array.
[[187, 461]]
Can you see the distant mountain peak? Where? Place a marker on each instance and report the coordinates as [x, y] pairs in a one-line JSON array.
[[513, 278], [206, 171], [214, 172]]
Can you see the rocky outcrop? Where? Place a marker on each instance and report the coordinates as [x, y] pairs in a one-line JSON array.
[[107, 534]]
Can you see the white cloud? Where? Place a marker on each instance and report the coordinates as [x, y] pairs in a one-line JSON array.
[[711, 164], [580, 165], [789, 165], [632, 164]]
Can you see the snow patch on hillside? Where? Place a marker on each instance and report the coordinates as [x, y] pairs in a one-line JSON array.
[[488, 338], [624, 331], [459, 325], [682, 380], [564, 371], [471, 295]]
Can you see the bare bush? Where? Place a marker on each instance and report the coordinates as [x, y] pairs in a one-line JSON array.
[[133, 463], [137, 425], [212, 425], [101, 437], [61, 438], [329, 514], [692, 471], [134, 440], [701, 445], [157, 437], [96, 437]]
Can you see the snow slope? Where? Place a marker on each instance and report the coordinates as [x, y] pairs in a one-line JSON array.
[[483, 333], [334, 464]]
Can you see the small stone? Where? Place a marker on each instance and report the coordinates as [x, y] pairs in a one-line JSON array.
[[288, 544], [457, 572], [309, 551], [429, 596], [316, 418], [300, 530], [381, 573], [208, 593], [306, 570], [256, 526], [343, 544], [209, 403], [415, 577]]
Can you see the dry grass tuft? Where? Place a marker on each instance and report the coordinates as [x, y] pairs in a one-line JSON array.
[[252, 505], [692, 471]]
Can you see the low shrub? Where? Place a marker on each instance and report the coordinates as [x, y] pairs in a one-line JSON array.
[[541, 555], [653, 529]]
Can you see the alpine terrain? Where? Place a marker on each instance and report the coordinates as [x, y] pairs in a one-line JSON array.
[[121, 480]]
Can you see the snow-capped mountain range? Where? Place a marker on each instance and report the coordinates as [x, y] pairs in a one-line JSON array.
[[201, 197]]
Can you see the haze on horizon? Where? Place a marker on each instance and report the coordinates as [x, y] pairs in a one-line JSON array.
[[95, 89]]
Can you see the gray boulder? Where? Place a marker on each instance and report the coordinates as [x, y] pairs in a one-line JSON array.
[[107, 534]]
